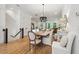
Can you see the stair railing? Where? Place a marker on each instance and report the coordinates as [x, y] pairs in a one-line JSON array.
[[20, 32]]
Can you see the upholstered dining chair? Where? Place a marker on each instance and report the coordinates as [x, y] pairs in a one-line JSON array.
[[65, 45], [33, 40], [48, 39]]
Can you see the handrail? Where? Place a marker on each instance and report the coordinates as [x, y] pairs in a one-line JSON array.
[[15, 34]]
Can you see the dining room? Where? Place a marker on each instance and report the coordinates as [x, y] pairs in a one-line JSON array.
[[53, 29], [40, 28]]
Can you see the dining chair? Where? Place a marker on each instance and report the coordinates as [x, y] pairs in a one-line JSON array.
[[33, 40], [48, 39], [65, 45]]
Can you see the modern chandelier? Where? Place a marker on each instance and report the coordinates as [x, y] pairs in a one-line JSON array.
[[43, 18]]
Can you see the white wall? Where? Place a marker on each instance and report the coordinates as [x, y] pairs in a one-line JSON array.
[[12, 21], [66, 10], [2, 22], [13, 28], [16, 18], [74, 19], [25, 22]]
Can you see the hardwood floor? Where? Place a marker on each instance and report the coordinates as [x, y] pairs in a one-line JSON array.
[[21, 46], [41, 50]]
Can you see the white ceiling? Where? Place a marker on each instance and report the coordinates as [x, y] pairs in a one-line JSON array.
[[37, 9]]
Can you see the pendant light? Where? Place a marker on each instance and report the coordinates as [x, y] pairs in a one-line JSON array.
[[43, 18]]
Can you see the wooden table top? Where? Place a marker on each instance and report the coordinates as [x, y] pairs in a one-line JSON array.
[[43, 33]]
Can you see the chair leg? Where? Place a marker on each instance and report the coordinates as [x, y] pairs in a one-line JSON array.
[[29, 47], [41, 42], [35, 49], [32, 48]]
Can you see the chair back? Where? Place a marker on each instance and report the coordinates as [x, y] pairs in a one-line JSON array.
[[31, 35], [70, 38], [75, 47], [51, 37], [48, 39]]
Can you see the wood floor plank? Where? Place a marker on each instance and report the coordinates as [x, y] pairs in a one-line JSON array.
[[21, 46]]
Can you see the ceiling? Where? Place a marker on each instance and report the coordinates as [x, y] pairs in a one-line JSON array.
[[36, 10], [50, 10]]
